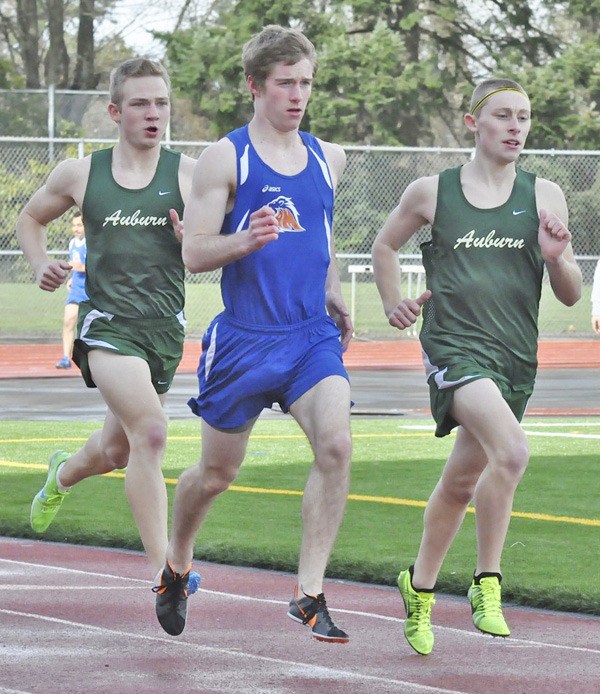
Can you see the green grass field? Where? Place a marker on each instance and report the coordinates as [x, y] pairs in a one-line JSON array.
[[29, 313], [551, 558]]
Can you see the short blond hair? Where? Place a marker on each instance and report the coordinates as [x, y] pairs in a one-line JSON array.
[[491, 86], [276, 44], [134, 67]]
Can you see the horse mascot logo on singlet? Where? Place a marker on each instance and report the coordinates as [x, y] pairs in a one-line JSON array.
[[286, 214]]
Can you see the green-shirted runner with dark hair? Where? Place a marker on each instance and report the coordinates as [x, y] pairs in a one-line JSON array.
[[494, 229], [131, 330]]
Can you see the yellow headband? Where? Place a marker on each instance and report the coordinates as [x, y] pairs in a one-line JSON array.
[[496, 91]]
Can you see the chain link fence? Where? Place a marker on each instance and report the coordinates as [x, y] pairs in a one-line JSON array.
[[374, 180]]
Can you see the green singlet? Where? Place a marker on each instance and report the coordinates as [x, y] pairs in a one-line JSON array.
[[484, 269], [134, 267], [134, 270]]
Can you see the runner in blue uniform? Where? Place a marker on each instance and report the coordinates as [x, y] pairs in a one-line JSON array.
[[261, 208], [76, 287]]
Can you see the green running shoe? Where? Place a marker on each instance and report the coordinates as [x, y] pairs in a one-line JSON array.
[[47, 501], [417, 627], [486, 606]]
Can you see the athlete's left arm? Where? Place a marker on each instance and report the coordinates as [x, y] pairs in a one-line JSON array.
[[334, 301], [554, 238], [186, 172]]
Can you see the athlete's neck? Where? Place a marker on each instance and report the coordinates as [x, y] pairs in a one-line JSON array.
[[485, 185], [282, 151], [133, 167]]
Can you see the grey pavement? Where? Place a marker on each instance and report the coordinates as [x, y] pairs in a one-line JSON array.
[[381, 393]]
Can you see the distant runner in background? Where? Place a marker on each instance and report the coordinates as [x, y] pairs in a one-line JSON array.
[[76, 287]]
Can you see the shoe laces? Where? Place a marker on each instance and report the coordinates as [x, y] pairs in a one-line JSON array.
[[421, 610], [317, 606], [172, 585], [489, 598]]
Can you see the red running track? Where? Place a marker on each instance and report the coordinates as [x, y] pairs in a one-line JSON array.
[[38, 360], [76, 619]]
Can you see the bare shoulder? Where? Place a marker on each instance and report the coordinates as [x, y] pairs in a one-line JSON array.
[[64, 188], [543, 186], [218, 159], [426, 185], [185, 175], [421, 196], [335, 156], [550, 196], [186, 165], [69, 175]]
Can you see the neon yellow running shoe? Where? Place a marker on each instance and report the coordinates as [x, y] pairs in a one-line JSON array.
[[46, 502], [417, 626], [486, 606]]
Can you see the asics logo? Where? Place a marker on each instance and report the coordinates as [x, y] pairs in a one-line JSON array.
[[516, 212], [164, 192], [271, 189]]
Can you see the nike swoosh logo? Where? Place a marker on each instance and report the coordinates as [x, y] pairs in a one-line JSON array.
[[161, 383], [164, 192], [516, 212]]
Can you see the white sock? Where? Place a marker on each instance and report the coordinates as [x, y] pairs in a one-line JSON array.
[[61, 488]]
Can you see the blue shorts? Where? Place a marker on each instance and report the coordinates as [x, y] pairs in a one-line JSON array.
[[76, 295], [245, 368]]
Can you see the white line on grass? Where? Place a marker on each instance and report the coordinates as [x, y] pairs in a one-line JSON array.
[[547, 434], [562, 424], [562, 435]]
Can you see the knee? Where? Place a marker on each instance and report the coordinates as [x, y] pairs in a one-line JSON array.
[[151, 434], [216, 479], [116, 456], [459, 491], [334, 451], [513, 459]]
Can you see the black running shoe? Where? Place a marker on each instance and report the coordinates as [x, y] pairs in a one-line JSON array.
[[171, 600], [312, 610]]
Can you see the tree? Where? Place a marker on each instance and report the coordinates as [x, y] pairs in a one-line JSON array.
[[27, 33], [37, 38], [57, 58], [85, 73], [390, 72], [52, 43]]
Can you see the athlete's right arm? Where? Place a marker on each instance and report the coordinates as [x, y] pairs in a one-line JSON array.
[[63, 189], [211, 198], [416, 208]]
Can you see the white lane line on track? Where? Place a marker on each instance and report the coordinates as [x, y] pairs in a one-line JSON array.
[[509, 643], [39, 586], [311, 671]]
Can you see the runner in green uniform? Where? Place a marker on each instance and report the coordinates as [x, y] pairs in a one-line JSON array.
[[131, 331], [494, 227]]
